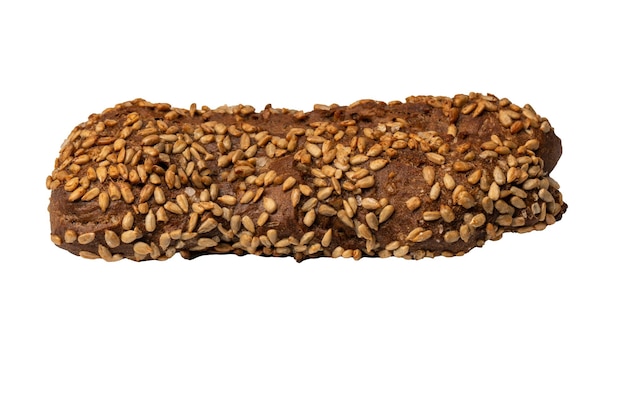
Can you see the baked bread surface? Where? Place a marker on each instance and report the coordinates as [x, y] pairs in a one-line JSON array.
[[420, 178]]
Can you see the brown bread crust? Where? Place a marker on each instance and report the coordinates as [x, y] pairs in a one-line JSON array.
[[425, 177]]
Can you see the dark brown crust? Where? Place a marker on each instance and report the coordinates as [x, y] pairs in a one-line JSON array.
[[358, 161]]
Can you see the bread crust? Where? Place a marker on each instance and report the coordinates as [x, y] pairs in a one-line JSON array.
[[425, 177]]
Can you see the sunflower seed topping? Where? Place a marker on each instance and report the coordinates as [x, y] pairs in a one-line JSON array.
[[341, 181]]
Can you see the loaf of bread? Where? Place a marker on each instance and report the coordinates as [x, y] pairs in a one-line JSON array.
[[425, 177]]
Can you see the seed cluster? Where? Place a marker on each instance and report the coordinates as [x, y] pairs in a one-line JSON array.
[[425, 177]]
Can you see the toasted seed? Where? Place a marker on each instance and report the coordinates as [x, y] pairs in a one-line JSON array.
[[451, 236], [385, 213], [413, 203], [351, 206], [546, 196], [435, 158], [401, 251], [530, 184], [159, 195], [421, 236], [164, 241], [111, 239], [370, 203], [91, 194], [345, 219], [56, 239], [375, 150], [378, 164], [372, 220], [480, 107], [247, 197], [326, 210], [517, 202], [146, 192], [462, 166], [504, 220], [189, 235], [366, 182], [269, 205], [511, 175], [488, 154], [103, 201], [412, 236], [207, 225], [235, 223], [391, 246], [499, 176], [492, 231], [365, 232], [206, 242], [86, 238], [105, 254], [142, 248], [194, 218], [447, 214], [101, 173], [505, 118], [306, 238], [183, 202], [129, 236], [348, 253], [114, 192], [487, 204], [504, 208], [263, 218], [229, 200], [127, 193], [466, 200], [309, 217], [82, 159], [435, 191], [449, 182], [305, 190], [494, 191], [327, 238], [532, 144], [465, 233], [358, 159], [295, 196], [309, 204], [70, 236], [429, 174], [71, 184], [517, 126], [313, 149], [128, 220], [432, 215], [150, 221], [518, 221], [88, 255], [313, 249], [475, 176], [77, 193], [478, 220], [161, 215], [173, 207], [289, 183], [284, 243], [324, 193]]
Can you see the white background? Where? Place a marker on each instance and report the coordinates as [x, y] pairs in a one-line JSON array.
[[532, 325]]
